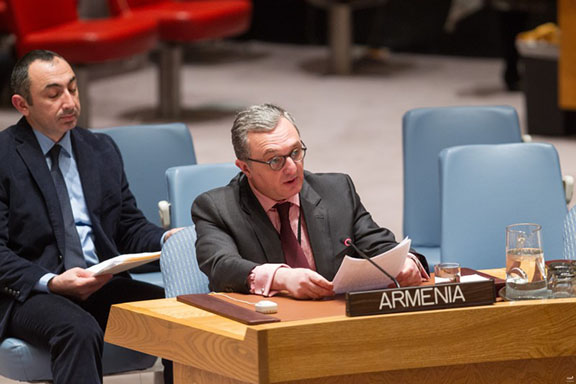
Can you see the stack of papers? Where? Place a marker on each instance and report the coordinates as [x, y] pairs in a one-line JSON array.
[[360, 275], [123, 263]]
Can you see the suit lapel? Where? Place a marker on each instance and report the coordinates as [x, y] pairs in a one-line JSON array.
[[29, 150], [88, 168], [266, 234], [316, 218]]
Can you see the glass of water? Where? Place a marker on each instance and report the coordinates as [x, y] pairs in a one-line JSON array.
[[446, 273], [562, 279], [525, 268]]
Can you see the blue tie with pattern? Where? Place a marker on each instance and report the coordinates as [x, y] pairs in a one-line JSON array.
[[73, 254]]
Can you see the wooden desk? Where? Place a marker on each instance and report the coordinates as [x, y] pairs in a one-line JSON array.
[[509, 342], [567, 59]]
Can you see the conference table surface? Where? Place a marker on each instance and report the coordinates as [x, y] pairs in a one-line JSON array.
[[315, 342]]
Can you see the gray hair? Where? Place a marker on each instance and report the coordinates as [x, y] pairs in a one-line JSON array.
[[20, 80], [257, 118]]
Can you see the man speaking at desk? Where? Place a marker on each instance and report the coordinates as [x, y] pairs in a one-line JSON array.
[[277, 228]]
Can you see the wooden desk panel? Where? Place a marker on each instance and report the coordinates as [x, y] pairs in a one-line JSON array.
[[567, 59], [530, 341]]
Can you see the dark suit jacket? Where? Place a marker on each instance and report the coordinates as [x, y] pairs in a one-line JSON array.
[[235, 234], [31, 225]]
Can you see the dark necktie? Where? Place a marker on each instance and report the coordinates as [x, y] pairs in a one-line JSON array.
[[73, 254], [293, 252]]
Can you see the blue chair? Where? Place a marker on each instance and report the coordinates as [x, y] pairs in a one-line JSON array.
[[24, 362], [485, 188], [179, 266], [570, 235], [148, 151], [186, 183], [425, 132]]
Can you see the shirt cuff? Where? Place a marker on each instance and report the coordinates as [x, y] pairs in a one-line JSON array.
[[423, 273], [261, 278], [163, 238], [42, 284]]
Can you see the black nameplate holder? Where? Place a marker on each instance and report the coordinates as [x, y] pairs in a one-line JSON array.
[[421, 298]]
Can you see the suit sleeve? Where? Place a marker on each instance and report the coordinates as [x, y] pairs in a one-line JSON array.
[[369, 236], [17, 275], [218, 256]]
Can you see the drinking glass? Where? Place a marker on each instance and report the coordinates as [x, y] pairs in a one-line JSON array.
[[562, 279], [525, 269], [446, 273]]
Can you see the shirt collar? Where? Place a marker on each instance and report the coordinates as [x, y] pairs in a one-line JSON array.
[[46, 143], [268, 203]]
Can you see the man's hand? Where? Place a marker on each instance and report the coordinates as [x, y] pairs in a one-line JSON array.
[[410, 274], [302, 283], [171, 232], [77, 283]]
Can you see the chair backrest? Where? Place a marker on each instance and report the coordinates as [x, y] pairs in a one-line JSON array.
[[186, 183], [425, 132], [570, 235], [33, 15], [485, 188], [179, 266], [148, 151]]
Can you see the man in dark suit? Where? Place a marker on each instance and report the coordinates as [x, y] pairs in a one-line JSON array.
[[64, 205], [238, 226]]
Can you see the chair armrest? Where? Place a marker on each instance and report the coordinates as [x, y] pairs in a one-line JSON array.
[[164, 212], [568, 182]]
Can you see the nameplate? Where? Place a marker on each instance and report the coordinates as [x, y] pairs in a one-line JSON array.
[[422, 298]]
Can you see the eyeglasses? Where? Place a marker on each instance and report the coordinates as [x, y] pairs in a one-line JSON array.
[[277, 162]]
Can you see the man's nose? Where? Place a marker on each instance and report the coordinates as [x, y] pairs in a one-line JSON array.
[[290, 165], [68, 100]]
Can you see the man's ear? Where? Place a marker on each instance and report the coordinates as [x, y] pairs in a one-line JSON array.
[[20, 104], [243, 167]]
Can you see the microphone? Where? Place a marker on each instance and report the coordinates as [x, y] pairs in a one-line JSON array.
[[348, 242]]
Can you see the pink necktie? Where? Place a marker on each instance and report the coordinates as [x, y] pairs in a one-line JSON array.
[[293, 252]]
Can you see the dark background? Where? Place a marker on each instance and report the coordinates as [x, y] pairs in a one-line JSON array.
[[408, 25]]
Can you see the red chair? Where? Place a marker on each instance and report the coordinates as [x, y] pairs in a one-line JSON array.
[[184, 22], [54, 25]]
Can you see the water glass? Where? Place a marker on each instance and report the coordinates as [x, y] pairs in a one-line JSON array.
[[525, 268], [447, 273], [562, 279]]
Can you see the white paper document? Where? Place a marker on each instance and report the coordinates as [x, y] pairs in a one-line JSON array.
[[471, 278], [360, 275], [123, 263]]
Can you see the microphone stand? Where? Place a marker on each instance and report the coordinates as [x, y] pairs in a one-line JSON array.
[[348, 242]]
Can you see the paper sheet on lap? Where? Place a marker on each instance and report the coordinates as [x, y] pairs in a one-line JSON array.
[[123, 263]]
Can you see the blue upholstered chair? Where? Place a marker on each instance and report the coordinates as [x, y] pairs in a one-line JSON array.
[[186, 183], [570, 235], [148, 151], [179, 266], [425, 132], [24, 362], [485, 188]]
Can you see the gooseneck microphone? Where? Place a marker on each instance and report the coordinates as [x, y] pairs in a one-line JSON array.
[[348, 242]]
